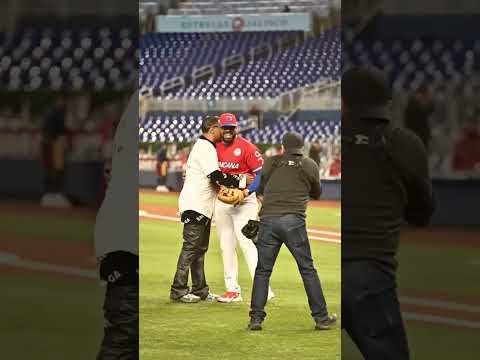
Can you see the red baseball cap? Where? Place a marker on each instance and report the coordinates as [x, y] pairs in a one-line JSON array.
[[227, 119]]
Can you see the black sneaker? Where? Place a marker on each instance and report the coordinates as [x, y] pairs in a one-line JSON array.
[[255, 325], [326, 323]]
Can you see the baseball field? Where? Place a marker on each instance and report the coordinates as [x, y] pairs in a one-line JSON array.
[[217, 331], [51, 298], [439, 294]]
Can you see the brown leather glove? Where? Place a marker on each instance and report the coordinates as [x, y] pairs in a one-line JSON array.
[[231, 196]]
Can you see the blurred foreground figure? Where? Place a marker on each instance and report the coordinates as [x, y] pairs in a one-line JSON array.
[[116, 242], [385, 181]]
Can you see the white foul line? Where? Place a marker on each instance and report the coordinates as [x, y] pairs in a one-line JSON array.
[[325, 239], [410, 300], [11, 259], [441, 320], [324, 232]]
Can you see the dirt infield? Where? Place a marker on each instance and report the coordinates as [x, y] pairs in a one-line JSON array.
[[53, 251], [162, 210], [442, 235]]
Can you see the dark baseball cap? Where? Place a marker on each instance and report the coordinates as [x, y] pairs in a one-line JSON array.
[[293, 143], [365, 86]]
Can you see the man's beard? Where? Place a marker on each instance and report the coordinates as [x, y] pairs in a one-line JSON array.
[[232, 139]]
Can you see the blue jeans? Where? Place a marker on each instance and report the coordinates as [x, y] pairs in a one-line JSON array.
[[371, 311], [290, 230]]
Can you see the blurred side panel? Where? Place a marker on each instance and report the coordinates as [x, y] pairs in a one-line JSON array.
[[430, 55], [67, 71]]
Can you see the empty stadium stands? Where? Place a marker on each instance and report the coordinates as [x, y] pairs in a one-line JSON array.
[[69, 56], [185, 127], [165, 56], [410, 62], [315, 59]]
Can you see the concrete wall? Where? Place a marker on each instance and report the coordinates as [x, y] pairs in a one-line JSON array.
[[25, 178]]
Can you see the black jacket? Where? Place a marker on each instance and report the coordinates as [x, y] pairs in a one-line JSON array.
[[385, 181], [288, 182]]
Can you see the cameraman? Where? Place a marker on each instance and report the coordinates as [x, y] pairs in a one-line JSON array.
[[385, 181], [288, 182]]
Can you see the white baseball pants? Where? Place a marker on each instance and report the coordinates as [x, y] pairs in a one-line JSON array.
[[229, 221]]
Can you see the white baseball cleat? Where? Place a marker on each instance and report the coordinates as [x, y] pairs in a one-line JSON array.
[[230, 296], [270, 296], [189, 298]]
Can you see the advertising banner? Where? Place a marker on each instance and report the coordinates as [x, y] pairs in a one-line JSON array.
[[234, 23]]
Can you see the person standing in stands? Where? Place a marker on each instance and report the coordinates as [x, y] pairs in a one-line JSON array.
[[162, 166], [314, 152], [418, 112], [54, 146]]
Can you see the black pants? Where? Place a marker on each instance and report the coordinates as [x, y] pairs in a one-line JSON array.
[[196, 236], [289, 230], [121, 333], [371, 311]]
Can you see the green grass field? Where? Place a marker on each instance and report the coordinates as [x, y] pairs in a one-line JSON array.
[[328, 217], [446, 267], [35, 225], [216, 331], [46, 315], [54, 317], [50, 317]]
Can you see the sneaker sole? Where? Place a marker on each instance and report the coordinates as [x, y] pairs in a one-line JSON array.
[[320, 328], [226, 301], [184, 301]]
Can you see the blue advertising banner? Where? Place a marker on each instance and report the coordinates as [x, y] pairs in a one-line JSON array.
[[234, 23]]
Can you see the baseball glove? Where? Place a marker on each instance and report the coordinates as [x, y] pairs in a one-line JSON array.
[[250, 230], [230, 196]]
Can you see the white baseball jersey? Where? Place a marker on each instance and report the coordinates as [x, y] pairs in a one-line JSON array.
[[198, 193], [116, 227]]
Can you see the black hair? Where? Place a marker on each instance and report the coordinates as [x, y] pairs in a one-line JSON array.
[[208, 122], [365, 86]]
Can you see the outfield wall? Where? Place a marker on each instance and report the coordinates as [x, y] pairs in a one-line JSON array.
[[83, 181]]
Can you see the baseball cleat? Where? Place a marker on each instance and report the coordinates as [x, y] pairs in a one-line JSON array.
[[271, 295], [326, 323], [254, 325], [189, 299], [230, 296], [211, 297]]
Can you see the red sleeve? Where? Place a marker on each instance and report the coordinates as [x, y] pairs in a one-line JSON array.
[[254, 159]]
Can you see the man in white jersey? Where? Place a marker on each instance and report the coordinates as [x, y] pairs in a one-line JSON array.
[[196, 205], [116, 242], [237, 155]]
